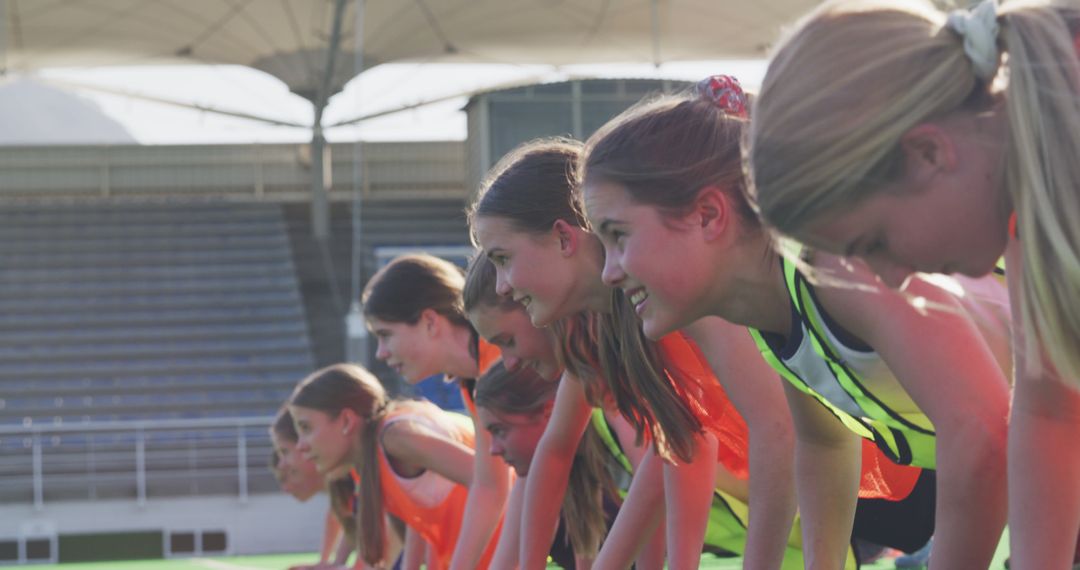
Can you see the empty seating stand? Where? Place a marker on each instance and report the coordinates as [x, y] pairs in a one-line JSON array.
[[119, 313]]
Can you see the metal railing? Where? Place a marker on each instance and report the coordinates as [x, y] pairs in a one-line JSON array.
[[139, 460]]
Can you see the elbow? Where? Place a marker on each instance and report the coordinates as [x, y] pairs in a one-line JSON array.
[[975, 445]]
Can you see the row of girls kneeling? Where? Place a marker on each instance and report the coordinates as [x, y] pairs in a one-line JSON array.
[[673, 305], [785, 375]]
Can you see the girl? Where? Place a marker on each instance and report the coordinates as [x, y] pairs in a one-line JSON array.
[[529, 352], [526, 224], [507, 325], [514, 407], [960, 145], [666, 177], [414, 460], [299, 478], [413, 307]]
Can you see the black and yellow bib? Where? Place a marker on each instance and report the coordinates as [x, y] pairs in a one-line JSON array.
[[821, 365], [728, 516]]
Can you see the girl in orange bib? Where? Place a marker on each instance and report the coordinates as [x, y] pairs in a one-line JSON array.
[[414, 459], [413, 307]]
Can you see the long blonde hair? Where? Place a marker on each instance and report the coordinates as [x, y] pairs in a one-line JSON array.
[[855, 75]]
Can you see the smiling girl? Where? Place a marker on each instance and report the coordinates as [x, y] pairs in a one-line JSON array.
[[859, 359], [413, 307]]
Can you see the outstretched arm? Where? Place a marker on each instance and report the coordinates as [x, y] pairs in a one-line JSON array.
[[1044, 499], [549, 472], [942, 361], [639, 517], [488, 492], [758, 394], [827, 470]]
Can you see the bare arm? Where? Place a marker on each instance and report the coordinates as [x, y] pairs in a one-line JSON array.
[[688, 491], [331, 537], [946, 367], [484, 507], [639, 518], [419, 447], [1044, 499], [506, 552], [549, 472], [827, 470], [758, 395], [415, 550]]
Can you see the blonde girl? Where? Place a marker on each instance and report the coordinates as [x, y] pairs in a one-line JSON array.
[[929, 141]]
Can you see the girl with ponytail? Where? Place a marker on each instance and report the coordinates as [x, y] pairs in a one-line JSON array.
[[413, 308], [507, 325], [413, 459], [663, 185], [925, 141]]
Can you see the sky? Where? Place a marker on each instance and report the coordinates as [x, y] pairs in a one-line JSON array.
[[385, 87]]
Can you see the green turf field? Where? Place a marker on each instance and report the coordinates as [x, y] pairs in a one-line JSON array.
[[282, 561]]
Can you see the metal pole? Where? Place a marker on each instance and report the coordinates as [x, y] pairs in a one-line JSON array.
[[241, 462], [39, 476], [140, 465], [356, 336], [320, 212]]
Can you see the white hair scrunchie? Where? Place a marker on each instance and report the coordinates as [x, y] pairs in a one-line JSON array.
[[979, 28]]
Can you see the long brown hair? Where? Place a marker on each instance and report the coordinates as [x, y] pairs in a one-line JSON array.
[[533, 187], [525, 392], [664, 151], [349, 386], [411, 284]]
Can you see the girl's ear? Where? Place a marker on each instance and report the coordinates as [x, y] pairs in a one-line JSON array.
[[928, 148], [712, 211], [429, 321], [568, 236], [350, 422]]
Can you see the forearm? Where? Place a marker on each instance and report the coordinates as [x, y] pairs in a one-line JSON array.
[[484, 507], [688, 491], [772, 499], [331, 537], [1044, 498], [483, 512], [344, 549], [827, 481], [638, 520], [545, 489], [971, 494], [506, 552], [653, 553], [415, 550]]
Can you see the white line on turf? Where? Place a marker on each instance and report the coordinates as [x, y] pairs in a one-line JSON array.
[[219, 565]]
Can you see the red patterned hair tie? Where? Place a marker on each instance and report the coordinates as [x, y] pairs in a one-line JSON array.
[[725, 92]]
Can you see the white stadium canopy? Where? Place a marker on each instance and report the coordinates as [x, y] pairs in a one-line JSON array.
[[289, 38], [298, 40]]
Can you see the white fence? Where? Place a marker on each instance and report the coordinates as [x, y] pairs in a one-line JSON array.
[[137, 460]]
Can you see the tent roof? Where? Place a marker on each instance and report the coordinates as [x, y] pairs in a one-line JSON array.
[[288, 38]]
